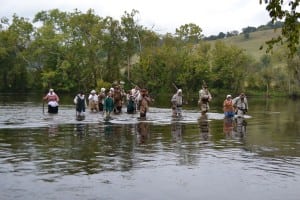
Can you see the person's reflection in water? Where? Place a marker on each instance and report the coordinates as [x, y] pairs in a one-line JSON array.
[[142, 132], [108, 129], [79, 130], [204, 126], [228, 126], [53, 129], [241, 127], [176, 131]]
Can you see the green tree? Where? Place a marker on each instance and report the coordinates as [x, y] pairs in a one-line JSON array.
[[189, 33], [13, 62], [230, 66], [130, 32], [293, 66], [113, 46], [288, 12], [46, 49]]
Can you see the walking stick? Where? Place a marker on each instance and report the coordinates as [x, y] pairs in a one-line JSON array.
[[43, 107]]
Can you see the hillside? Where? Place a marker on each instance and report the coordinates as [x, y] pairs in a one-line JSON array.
[[253, 43]]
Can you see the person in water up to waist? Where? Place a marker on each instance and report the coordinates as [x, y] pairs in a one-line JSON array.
[[204, 98], [228, 107], [81, 104], [177, 103], [52, 99], [240, 104]]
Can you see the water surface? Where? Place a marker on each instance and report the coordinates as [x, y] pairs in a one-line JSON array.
[[46, 156]]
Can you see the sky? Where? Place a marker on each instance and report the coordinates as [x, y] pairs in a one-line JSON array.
[[161, 16]]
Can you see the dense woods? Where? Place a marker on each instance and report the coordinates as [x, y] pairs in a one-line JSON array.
[[72, 51]]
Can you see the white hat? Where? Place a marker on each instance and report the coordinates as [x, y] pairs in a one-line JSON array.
[[228, 96], [93, 91], [179, 90], [51, 90], [102, 89]]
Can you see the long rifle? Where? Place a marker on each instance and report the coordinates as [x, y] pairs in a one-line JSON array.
[[185, 102], [175, 86], [43, 107]]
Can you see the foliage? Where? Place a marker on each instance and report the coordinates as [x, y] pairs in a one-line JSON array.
[[287, 11], [82, 51], [14, 41]]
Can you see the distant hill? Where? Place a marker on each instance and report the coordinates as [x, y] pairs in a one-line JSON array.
[[253, 43]]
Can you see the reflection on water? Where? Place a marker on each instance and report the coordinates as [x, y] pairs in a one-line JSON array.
[[58, 157], [142, 132], [240, 127], [204, 126], [176, 131], [234, 127]]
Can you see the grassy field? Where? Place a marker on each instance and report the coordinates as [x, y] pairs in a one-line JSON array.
[[253, 43]]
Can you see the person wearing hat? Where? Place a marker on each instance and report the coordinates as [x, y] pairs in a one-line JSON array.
[[240, 103], [93, 101], [118, 99], [80, 103], [108, 105], [228, 107], [204, 99], [53, 100], [144, 103], [176, 101], [131, 106], [101, 98]]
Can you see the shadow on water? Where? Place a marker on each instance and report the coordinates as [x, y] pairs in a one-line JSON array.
[[258, 155]]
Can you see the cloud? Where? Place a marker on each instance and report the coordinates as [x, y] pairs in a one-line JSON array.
[[161, 15]]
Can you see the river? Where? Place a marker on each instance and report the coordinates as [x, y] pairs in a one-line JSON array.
[[46, 156]]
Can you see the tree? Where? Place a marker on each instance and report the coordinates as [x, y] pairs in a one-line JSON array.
[[190, 33], [249, 29], [230, 67], [293, 66], [112, 50], [130, 32], [291, 27], [232, 33], [13, 62], [221, 35]]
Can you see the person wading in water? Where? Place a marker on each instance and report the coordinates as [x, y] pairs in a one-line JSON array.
[[80, 103], [52, 100], [177, 103], [228, 107], [108, 105], [144, 103], [240, 104], [204, 99]]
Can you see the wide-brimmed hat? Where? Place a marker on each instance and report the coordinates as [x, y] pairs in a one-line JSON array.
[[228, 96], [143, 90], [51, 90], [93, 91], [204, 85]]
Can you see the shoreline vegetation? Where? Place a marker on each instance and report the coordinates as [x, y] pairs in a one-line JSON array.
[[83, 51]]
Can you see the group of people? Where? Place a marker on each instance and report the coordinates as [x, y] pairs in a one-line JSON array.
[[203, 102], [106, 101], [111, 100], [235, 106], [231, 106]]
